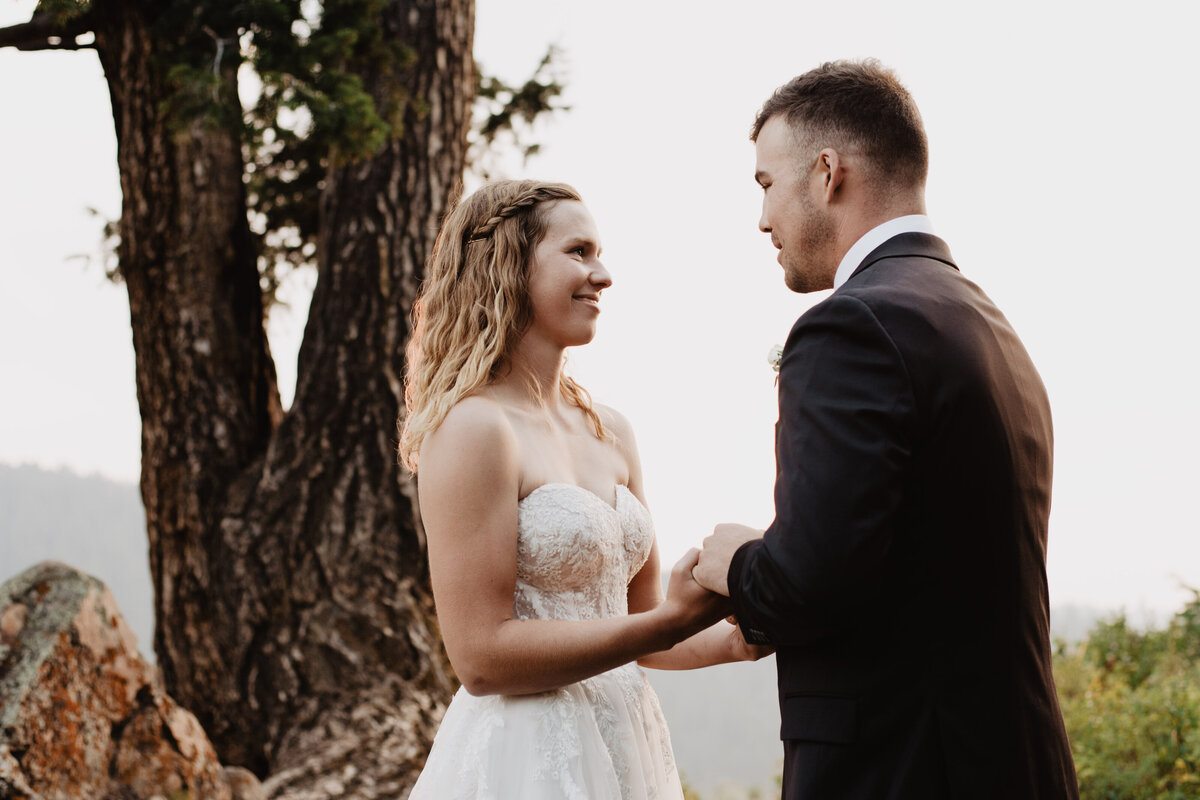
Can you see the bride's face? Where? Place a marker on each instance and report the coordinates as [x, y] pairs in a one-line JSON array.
[[566, 277]]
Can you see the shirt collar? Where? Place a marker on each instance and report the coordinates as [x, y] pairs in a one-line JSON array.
[[913, 223]]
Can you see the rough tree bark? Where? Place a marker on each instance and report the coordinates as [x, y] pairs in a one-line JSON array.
[[294, 616]]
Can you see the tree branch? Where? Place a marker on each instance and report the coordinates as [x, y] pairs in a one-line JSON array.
[[43, 32]]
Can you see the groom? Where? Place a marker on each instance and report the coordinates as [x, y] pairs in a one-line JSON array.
[[903, 580]]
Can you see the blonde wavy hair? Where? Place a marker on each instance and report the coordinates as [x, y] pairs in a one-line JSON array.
[[474, 306]]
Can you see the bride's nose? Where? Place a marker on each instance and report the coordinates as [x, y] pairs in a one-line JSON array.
[[599, 276]]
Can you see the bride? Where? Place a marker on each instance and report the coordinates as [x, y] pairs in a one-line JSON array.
[[541, 551]]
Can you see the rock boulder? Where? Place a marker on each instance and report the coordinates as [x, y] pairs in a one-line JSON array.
[[82, 714]]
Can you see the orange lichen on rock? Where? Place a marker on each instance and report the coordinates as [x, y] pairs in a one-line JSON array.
[[82, 714]]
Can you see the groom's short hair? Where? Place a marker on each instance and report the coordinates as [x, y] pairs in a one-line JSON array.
[[862, 104]]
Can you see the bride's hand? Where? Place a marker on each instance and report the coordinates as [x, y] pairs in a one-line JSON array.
[[693, 606], [741, 649]]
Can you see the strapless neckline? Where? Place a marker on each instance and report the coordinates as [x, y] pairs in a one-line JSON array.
[[550, 486]]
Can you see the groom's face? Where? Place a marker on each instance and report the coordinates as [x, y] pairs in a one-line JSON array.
[[793, 211]]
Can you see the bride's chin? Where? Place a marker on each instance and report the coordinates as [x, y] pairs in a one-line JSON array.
[[584, 337]]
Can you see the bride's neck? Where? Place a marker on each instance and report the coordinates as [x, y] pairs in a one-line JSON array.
[[532, 376]]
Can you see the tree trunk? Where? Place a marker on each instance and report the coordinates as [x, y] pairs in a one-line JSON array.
[[294, 616], [205, 380]]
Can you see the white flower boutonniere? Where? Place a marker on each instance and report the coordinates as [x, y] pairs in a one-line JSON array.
[[774, 356]]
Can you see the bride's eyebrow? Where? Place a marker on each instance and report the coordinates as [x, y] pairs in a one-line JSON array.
[[585, 241]]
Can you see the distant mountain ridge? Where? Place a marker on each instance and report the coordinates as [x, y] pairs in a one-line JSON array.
[[724, 720], [92, 523]]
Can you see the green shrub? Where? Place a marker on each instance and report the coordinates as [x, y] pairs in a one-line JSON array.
[[1131, 703]]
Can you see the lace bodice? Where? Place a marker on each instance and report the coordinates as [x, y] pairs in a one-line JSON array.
[[576, 553]]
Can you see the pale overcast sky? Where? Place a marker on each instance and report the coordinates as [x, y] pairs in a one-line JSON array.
[[1064, 175]]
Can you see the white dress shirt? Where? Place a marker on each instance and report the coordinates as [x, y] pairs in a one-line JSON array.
[[913, 223]]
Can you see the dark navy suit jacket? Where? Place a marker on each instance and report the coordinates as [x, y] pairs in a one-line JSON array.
[[903, 580]]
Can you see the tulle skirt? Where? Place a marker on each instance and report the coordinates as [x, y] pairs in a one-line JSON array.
[[600, 739]]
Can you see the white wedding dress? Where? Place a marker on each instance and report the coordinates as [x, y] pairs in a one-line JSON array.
[[603, 738]]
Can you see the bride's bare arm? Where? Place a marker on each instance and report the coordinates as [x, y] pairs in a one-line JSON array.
[[469, 483], [721, 643]]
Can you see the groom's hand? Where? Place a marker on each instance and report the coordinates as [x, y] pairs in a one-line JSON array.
[[712, 570]]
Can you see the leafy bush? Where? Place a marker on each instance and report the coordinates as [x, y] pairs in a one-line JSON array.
[[1131, 703]]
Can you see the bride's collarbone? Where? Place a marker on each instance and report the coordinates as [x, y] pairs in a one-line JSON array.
[[563, 445], [570, 422], [566, 451]]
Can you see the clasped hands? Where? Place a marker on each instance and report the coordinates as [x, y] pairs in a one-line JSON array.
[[699, 582], [710, 565]]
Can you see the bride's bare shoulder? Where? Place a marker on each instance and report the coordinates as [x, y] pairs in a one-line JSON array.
[[615, 422], [476, 433], [475, 410]]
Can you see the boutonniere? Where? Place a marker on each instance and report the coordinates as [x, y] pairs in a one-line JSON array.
[[774, 356]]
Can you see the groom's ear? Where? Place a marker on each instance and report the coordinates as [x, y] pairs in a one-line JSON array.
[[832, 172]]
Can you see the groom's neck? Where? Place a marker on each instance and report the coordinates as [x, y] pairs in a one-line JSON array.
[[860, 215]]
